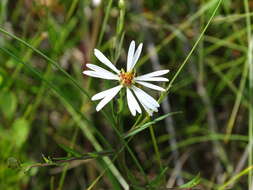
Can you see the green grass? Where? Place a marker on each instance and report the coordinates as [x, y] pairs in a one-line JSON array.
[[51, 136]]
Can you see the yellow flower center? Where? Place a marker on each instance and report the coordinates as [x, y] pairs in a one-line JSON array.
[[126, 78]]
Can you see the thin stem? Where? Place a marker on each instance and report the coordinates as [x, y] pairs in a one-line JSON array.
[[250, 122], [193, 48], [181, 27], [102, 31], [154, 142], [237, 103], [71, 9]]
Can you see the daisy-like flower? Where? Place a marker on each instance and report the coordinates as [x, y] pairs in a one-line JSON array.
[[127, 79]]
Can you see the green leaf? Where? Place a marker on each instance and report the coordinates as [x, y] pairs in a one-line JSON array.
[[77, 155], [146, 125], [20, 131], [195, 181], [100, 153], [8, 103]]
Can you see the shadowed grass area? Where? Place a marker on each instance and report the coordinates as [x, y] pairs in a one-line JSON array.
[[51, 136]]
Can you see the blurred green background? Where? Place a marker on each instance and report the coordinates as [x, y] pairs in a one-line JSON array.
[[45, 110]]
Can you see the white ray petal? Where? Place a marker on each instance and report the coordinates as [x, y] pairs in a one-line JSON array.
[[105, 93], [147, 97], [101, 70], [130, 55], [150, 111], [136, 56], [155, 79], [108, 97], [156, 73], [104, 60], [132, 103], [99, 75], [152, 86], [94, 74], [145, 102]]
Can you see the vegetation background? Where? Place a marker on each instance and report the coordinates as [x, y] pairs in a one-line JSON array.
[[51, 137]]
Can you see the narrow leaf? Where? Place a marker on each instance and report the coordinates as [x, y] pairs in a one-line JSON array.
[[146, 125]]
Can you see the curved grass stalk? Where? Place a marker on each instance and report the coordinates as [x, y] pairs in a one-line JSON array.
[[192, 50], [250, 66]]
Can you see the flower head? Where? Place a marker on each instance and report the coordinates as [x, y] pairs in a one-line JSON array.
[[127, 79]]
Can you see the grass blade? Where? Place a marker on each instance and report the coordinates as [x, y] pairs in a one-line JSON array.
[[137, 129]]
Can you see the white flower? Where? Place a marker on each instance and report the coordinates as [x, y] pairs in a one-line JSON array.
[[129, 80]]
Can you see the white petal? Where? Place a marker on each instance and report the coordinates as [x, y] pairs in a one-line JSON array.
[[105, 93], [132, 103], [150, 111], [156, 73], [147, 97], [108, 97], [99, 75], [136, 56], [155, 79], [145, 102], [104, 60], [130, 55], [152, 86], [93, 74], [101, 71]]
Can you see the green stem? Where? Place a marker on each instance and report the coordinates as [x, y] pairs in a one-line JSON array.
[[193, 48], [250, 122], [154, 142], [102, 31], [71, 9]]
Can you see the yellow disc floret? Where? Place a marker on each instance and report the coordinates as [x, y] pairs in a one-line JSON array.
[[127, 78]]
